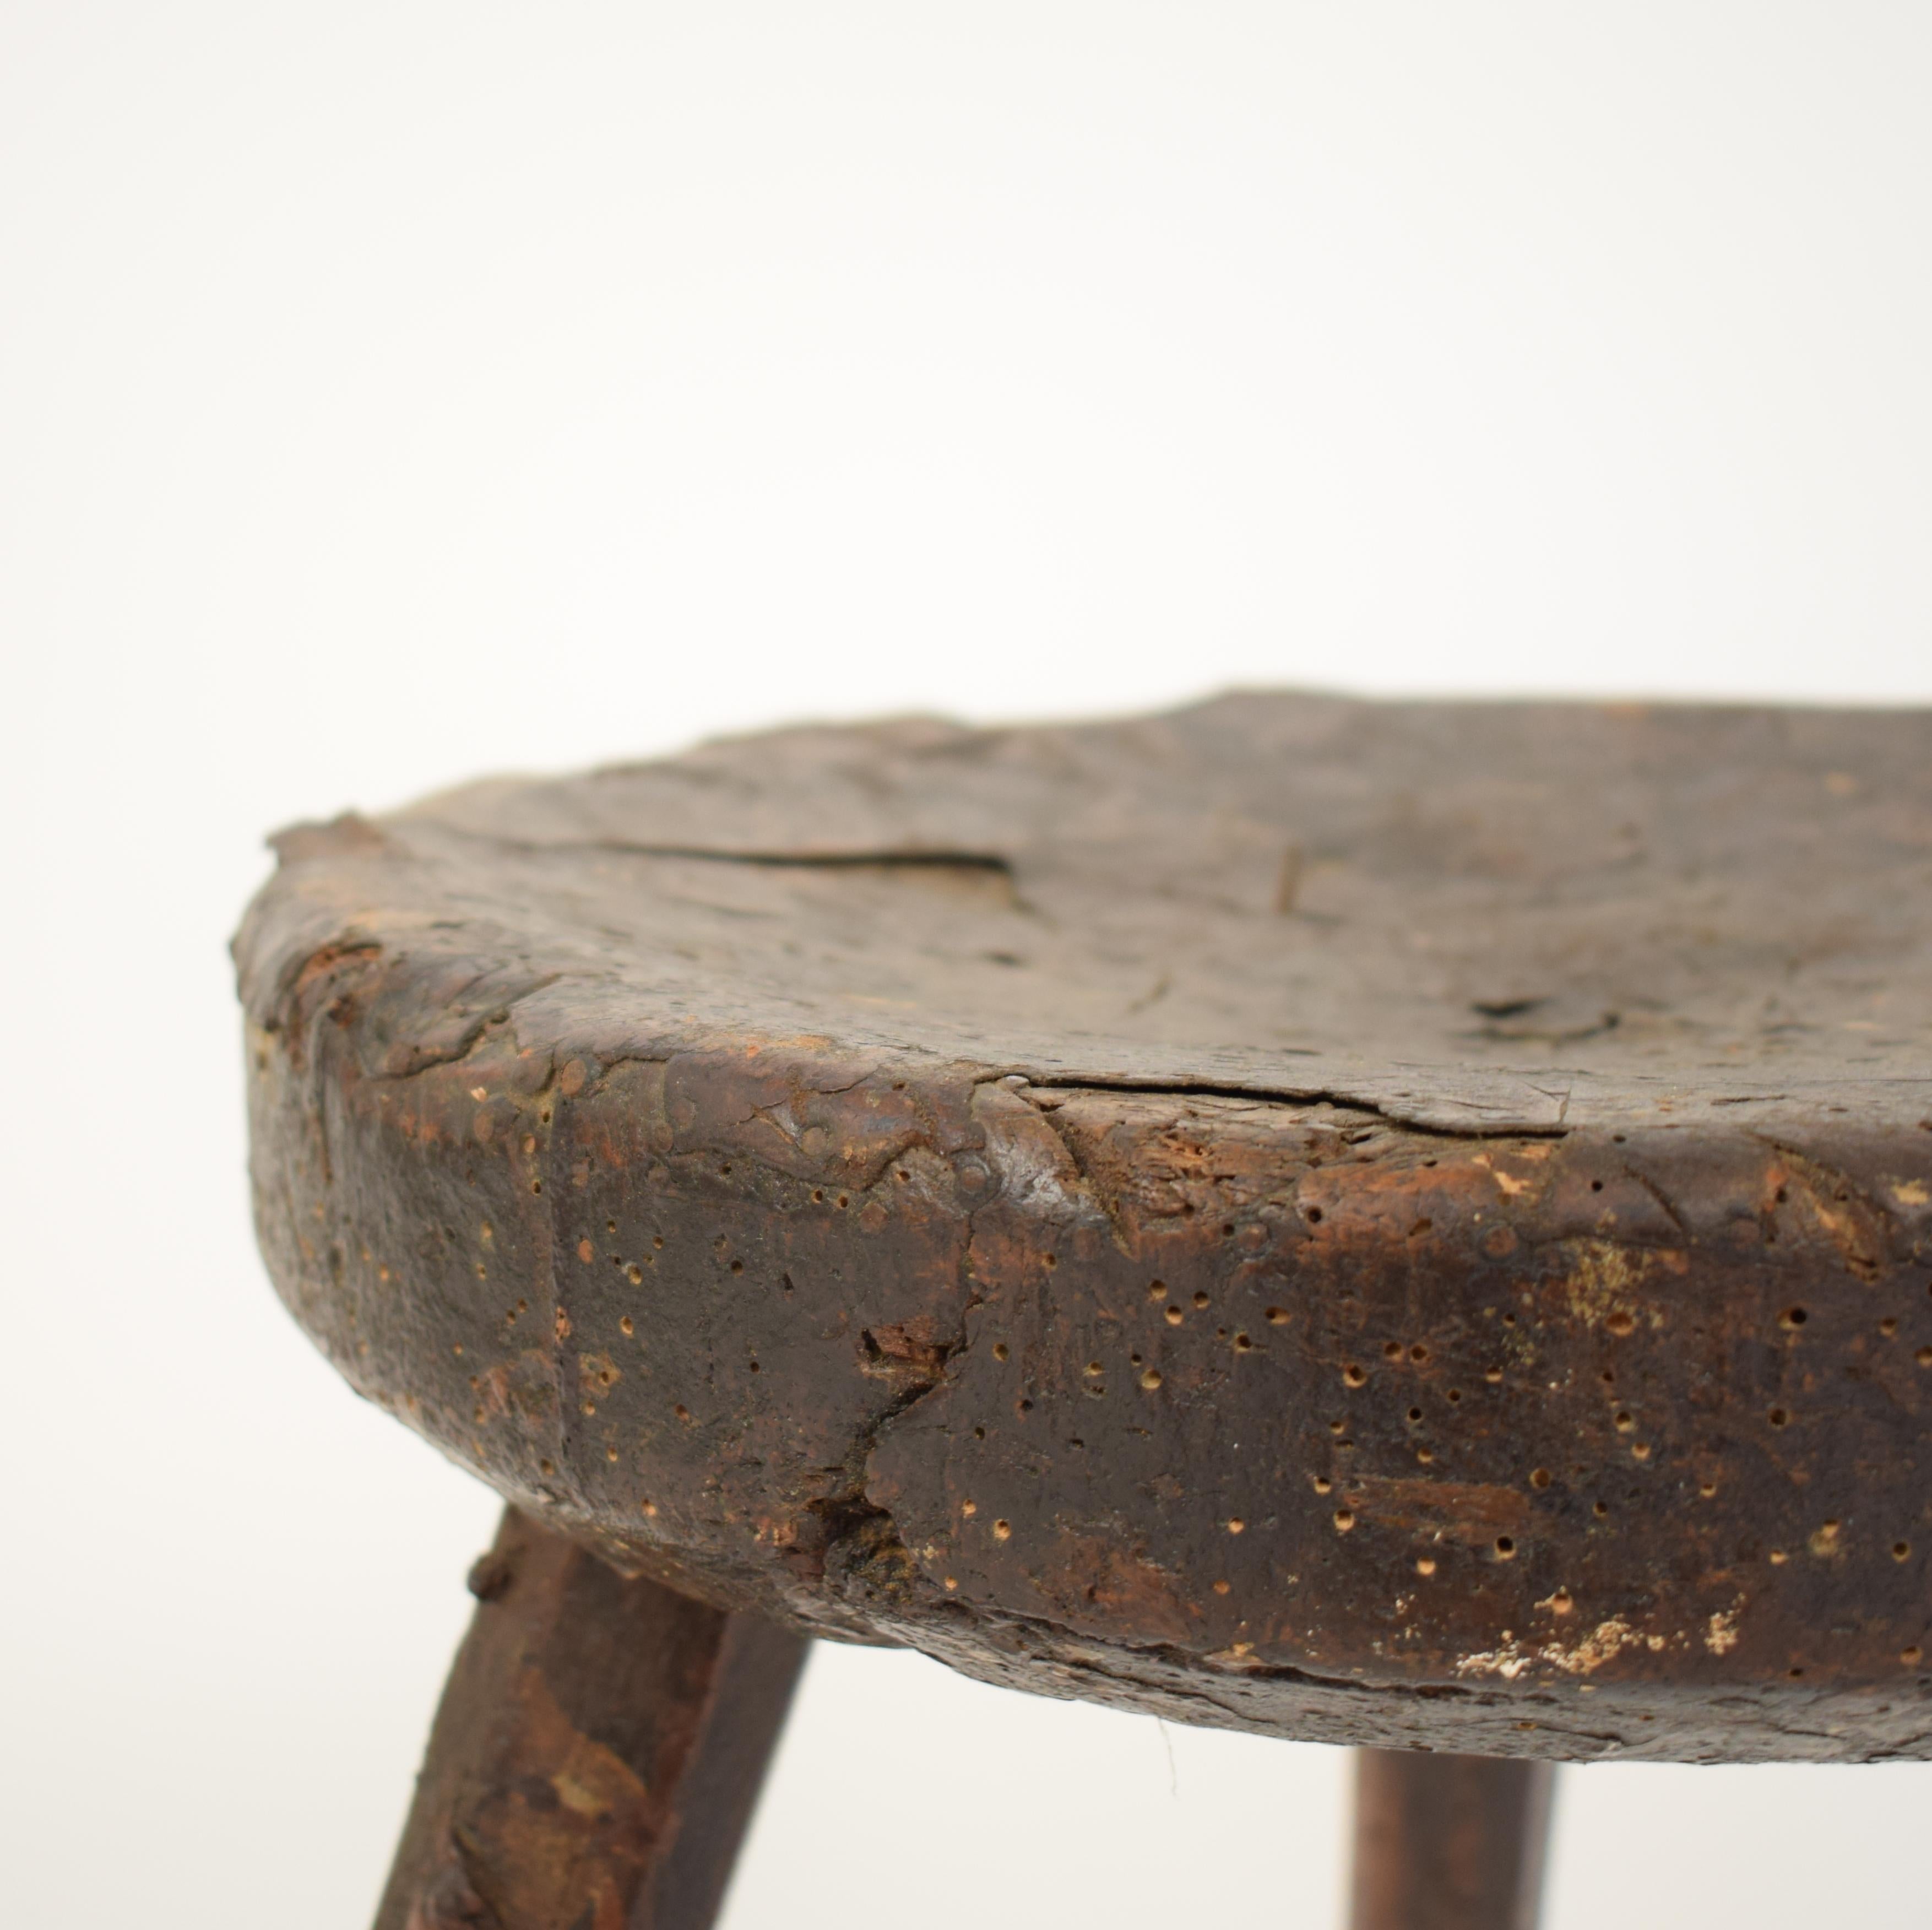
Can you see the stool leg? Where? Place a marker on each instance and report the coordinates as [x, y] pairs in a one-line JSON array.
[[596, 1755], [1448, 1842]]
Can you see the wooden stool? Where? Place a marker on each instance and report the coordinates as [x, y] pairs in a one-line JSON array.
[[1401, 1225]]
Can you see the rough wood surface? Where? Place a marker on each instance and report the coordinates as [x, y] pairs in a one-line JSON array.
[[598, 1752], [1387, 1224], [1448, 1842]]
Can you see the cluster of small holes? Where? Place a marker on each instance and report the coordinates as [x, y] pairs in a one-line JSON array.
[[1620, 1322]]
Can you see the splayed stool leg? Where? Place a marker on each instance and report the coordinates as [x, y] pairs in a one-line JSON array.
[[597, 1754], [1446, 1842]]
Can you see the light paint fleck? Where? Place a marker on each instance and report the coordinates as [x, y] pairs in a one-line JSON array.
[[1511, 1658], [1721, 1633]]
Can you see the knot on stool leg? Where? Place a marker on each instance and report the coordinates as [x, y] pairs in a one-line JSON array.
[[449, 1901], [491, 1574]]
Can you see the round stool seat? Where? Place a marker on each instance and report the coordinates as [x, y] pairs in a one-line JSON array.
[[1384, 1223]]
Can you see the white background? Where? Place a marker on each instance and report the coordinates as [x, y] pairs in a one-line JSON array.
[[392, 393]]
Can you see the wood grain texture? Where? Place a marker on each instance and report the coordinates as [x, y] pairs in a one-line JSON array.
[[1448, 1842], [597, 1754], [1384, 1224]]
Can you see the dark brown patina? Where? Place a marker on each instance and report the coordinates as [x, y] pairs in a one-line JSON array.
[[1384, 1223]]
